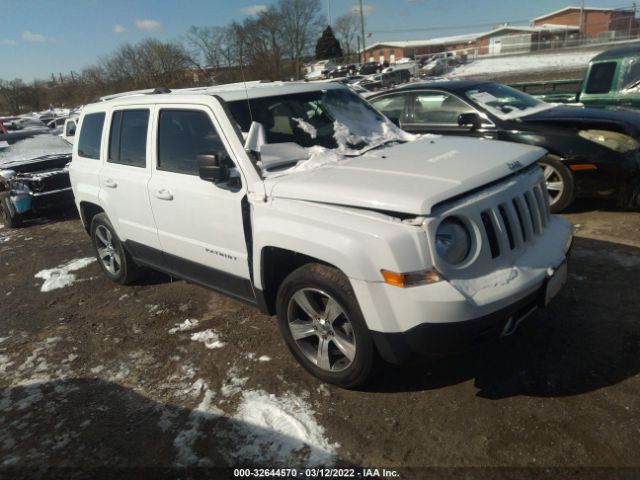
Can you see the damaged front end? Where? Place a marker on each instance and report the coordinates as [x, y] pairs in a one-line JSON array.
[[29, 187]]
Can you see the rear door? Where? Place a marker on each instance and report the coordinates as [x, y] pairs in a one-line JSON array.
[[437, 111], [124, 179], [200, 224]]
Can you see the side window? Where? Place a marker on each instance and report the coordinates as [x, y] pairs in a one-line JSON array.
[[128, 138], [391, 105], [182, 136], [630, 73], [601, 77], [91, 136], [438, 108]]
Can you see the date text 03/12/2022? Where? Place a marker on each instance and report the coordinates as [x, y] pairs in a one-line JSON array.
[[315, 473]]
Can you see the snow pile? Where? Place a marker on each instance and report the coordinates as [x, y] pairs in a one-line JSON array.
[[282, 431], [210, 339], [525, 63], [188, 324], [61, 276], [264, 358]]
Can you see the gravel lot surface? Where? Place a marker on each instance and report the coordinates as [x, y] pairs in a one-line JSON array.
[[99, 376]]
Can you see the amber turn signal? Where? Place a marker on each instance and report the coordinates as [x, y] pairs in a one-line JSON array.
[[410, 279]]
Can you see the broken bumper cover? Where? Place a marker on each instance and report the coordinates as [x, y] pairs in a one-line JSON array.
[[434, 340]]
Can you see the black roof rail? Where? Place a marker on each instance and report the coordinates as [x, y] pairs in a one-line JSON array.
[[160, 90]]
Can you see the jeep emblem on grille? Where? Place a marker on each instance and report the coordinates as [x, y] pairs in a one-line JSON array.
[[514, 165]]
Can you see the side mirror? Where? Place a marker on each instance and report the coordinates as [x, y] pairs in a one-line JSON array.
[[214, 167], [471, 120]]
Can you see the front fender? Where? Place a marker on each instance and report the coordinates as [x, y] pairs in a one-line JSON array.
[[358, 242]]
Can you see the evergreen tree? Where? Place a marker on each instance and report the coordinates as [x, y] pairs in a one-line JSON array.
[[328, 46]]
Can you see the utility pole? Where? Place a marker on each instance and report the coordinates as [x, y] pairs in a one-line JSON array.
[[362, 31], [582, 18]]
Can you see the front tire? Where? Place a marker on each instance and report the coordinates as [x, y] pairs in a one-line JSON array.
[[114, 260], [323, 327], [560, 183]]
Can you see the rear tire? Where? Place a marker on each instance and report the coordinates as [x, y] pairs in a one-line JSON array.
[[10, 218], [332, 341], [560, 183], [113, 258]]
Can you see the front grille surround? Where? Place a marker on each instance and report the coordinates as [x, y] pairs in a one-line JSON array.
[[504, 221]]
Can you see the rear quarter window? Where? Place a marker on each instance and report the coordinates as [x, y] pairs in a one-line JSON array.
[[91, 135], [601, 77]]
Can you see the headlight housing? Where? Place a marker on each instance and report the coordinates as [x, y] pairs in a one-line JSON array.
[[618, 142], [453, 241]]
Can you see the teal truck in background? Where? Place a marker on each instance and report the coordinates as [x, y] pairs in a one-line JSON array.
[[612, 80]]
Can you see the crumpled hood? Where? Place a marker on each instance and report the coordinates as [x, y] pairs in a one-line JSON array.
[[409, 178]]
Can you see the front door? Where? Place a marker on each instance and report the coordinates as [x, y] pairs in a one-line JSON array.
[[200, 224], [435, 111]]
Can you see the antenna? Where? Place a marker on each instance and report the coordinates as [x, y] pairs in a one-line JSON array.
[[246, 91]]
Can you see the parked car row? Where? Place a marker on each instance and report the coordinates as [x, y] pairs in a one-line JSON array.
[[328, 69], [590, 152]]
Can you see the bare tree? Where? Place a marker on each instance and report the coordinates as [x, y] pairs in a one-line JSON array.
[[302, 22], [207, 45], [346, 29], [13, 94]]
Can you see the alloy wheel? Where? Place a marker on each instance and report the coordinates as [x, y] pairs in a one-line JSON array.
[[107, 252], [321, 329], [555, 184]]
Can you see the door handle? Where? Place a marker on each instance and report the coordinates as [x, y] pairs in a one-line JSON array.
[[164, 194], [109, 183]]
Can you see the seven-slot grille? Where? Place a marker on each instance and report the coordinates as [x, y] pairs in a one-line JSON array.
[[514, 223]]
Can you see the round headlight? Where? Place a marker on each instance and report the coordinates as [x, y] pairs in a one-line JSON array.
[[453, 241]]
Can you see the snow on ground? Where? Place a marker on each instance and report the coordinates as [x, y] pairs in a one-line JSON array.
[[525, 63], [234, 382], [61, 276], [188, 324], [185, 440], [264, 358], [210, 338], [33, 147], [279, 429]]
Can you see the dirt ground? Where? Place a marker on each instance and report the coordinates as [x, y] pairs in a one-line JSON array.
[[93, 384]]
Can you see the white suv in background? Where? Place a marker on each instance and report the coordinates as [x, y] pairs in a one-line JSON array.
[[305, 201]]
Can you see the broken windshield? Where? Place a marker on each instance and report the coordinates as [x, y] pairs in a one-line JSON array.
[[333, 119], [505, 102]]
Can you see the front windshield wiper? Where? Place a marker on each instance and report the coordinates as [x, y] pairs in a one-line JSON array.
[[373, 147]]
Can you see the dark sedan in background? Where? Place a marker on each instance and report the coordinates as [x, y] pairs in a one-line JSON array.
[[592, 152]]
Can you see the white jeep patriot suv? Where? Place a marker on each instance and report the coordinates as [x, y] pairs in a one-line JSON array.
[[305, 201]]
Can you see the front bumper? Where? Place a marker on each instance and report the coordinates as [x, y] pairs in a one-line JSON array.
[[434, 340], [449, 316]]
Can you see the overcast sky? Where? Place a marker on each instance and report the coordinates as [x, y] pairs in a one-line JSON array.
[[38, 37]]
